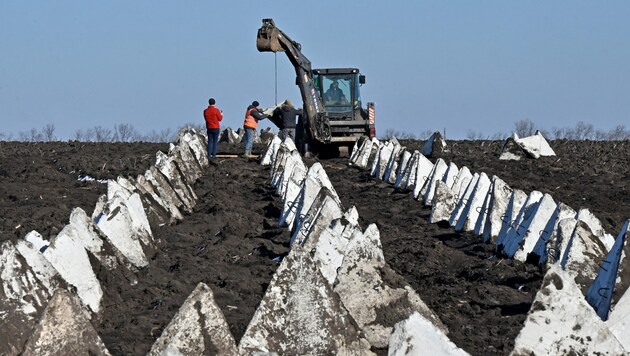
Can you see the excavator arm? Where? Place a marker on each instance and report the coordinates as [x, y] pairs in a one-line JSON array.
[[271, 39]]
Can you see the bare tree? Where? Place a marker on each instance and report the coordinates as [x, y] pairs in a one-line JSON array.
[[524, 128], [102, 134], [48, 133], [473, 135], [125, 133], [619, 133]]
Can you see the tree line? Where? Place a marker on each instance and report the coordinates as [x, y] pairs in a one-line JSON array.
[[128, 133], [523, 128], [119, 133]]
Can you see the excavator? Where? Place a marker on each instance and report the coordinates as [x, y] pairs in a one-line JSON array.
[[332, 118]]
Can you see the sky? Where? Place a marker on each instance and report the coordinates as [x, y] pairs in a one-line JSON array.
[[461, 67]]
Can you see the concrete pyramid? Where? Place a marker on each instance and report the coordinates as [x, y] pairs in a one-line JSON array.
[[436, 175], [392, 165], [27, 284], [462, 201], [545, 248], [443, 203], [472, 208], [76, 271], [534, 146], [501, 193], [65, 329], [405, 160], [435, 145], [619, 320], [520, 205], [228, 135], [421, 175], [417, 336], [560, 322], [583, 255], [532, 227], [372, 301], [198, 328], [612, 276], [270, 152], [313, 320]]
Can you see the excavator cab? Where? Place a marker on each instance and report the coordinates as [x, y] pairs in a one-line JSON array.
[[339, 89]]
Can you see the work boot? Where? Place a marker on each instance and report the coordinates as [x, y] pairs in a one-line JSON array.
[[247, 154]]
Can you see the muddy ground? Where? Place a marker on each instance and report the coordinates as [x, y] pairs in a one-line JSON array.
[[231, 240]]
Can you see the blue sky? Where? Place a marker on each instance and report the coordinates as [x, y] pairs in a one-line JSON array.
[[458, 66]]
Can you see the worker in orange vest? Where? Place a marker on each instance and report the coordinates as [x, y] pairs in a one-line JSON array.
[[252, 116]]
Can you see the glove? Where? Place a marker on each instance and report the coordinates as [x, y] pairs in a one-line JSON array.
[[269, 111]]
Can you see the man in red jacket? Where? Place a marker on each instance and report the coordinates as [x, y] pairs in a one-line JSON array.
[[213, 116]]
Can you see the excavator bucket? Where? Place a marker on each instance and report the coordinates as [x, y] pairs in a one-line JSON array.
[[267, 39]]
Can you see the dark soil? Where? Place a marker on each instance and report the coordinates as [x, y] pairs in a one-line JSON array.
[[231, 238]]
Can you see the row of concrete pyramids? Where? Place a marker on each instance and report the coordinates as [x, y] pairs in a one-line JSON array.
[[528, 227], [55, 273]]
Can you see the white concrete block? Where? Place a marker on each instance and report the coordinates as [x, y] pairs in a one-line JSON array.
[[401, 171], [536, 145], [321, 211], [422, 174], [517, 200], [462, 201], [611, 280], [27, 282], [169, 169], [163, 208], [472, 209], [619, 320], [443, 203], [563, 237], [545, 248], [417, 336], [94, 240], [291, 200], [532, 228], [270, 152], [279, 165], [293, 166], [518, 227], [228, 135], [313, 320], [389, 175], [67, 254], [560, 322], [198, 328], [368, 297], [164, 189], [197, 144], [116, 223], [383, 158], [186, 162], [461, 182], [65, 329], [483, 211], [501, 193], [22, 291], [436, 175], [583, 256], [328, 245], [36, 239], [435, 145], [367, 154], [409, 174], [451, 174], [596, 226]]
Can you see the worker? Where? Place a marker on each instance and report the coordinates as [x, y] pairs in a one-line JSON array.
[[334, 95], [213, 116], [285, 119], [252, 116]]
